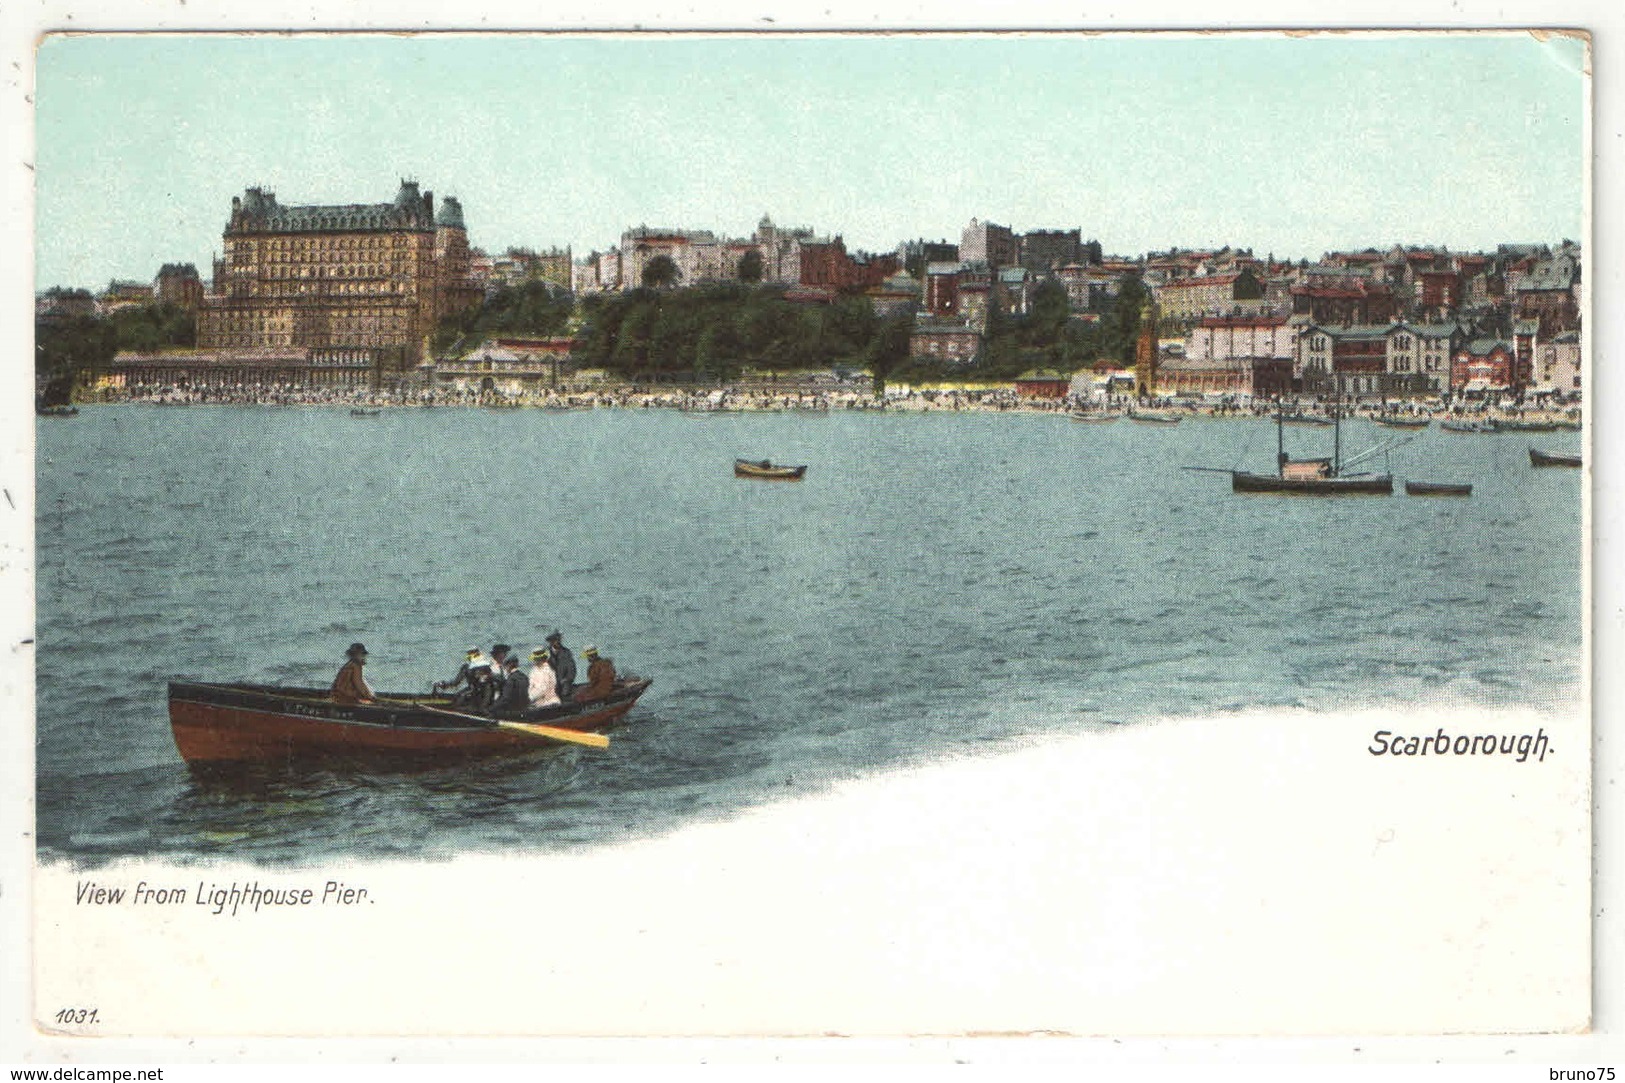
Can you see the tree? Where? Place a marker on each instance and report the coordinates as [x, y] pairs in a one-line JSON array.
[[1051, 308], [660, 273], [750, 267], [1123, 324], [888, 349], [68, 352]]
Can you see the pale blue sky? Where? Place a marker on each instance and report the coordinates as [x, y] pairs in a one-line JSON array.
[[1289, 145]]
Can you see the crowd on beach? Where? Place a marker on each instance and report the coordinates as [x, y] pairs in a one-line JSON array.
[[806, 399]]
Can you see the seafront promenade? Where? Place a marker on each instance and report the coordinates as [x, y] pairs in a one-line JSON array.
[[898, 399]]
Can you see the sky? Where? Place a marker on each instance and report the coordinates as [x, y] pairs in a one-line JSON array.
[[1287, 145]]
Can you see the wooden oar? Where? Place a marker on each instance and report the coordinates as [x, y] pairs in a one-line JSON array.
[[557, 733]]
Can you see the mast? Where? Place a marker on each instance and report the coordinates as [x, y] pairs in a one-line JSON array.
[[1280, 439], [1337, 435]]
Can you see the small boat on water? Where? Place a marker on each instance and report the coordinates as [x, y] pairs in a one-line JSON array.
[[1436, 488], [1306, 419], [1552, 458], [1314, 477], [1403, 422], [1080, 415], [61, 410], [1525, 426], [764, 470], [245, 724], [359, 412], [1468, 426], [1153, 418]]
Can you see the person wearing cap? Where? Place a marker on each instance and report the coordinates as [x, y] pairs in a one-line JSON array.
[[475, 674], [499, 673], [544, 683], [600, 677], [350, 687], [513, 693], [563, 664]]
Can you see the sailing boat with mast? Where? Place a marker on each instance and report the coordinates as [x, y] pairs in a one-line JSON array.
[[1315, 477]]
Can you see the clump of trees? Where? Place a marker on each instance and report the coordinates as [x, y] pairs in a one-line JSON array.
[[70, 351], [713, 332], [534, 307]]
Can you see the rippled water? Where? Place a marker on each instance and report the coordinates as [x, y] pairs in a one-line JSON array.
[[939, 584]]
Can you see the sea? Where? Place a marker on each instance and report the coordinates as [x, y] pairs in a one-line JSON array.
[[941, 585]]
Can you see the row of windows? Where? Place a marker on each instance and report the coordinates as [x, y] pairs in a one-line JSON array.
[[370, 242]]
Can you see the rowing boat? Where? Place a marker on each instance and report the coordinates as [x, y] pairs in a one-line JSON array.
[[766, 471], [268, 724], [1436, 488], [1552, 458]]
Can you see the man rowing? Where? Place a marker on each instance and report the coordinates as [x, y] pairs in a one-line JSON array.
[[350, 687]]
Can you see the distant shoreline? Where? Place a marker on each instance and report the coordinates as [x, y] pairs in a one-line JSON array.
[[924, 401]]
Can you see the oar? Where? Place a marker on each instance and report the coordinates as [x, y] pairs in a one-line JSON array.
[[557, 733], [1209, 469], [591, 740]]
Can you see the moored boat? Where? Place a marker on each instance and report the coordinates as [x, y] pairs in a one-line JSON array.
[[1552, 458], [1153, 418], [764, 470], [1080, 415], [1403, 422], [1436, 488], [1468, 426], [1305, 419], [268, 725], [1315, 477], [360, 412], [60, 410]]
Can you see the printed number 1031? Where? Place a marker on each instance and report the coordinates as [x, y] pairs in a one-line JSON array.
[[76, 1015]]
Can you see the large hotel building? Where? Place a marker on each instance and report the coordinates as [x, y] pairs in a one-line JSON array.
[[338, 295]]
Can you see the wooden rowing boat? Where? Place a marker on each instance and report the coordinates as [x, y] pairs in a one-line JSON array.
[[1145, 418], [764, 470], [270, 725], [1436, 488], [1402, 422], [1552, 458]]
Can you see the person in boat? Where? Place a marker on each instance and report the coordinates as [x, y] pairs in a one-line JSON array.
[[563, 664], [350, 686], [513, 690], [473, 679], [600, 677], [544, 683]]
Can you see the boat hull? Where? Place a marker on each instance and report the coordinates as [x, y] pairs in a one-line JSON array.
[[1552, 458], [254, 724], [1434, 488], [1360, 485], [744, 469]]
